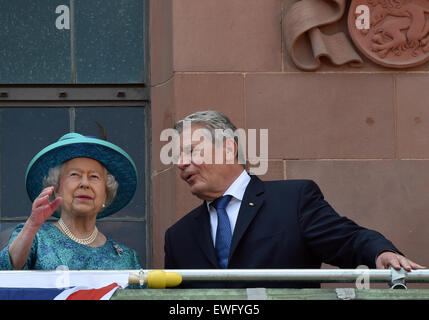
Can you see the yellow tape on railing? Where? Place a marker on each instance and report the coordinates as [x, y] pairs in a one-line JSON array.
[[159, 279]]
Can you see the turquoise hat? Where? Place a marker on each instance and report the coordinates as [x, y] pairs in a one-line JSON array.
[[74, 145]]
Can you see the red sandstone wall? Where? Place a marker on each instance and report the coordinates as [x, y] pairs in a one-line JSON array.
[[361, 134]]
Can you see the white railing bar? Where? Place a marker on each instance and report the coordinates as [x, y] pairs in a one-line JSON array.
[[316, 275]]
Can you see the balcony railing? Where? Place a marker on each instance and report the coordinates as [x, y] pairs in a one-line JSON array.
[[359, 279]]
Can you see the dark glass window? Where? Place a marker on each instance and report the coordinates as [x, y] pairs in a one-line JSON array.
[[72, 41], [73, 66], [25, 131]]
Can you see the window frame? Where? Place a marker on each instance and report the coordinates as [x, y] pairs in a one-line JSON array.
[[90, 96]]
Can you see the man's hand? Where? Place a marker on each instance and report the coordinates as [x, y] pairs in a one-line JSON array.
[[388, 258]]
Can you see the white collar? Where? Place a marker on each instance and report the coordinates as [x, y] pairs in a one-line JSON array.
[[238, 187]]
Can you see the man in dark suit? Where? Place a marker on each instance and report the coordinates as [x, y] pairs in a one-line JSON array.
[[269, 225]]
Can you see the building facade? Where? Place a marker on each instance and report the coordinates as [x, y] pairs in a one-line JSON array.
[[132, 68]]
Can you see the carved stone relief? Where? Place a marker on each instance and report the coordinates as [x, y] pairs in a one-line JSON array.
[[392, 33]]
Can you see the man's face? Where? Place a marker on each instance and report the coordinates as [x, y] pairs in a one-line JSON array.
[[202, 164]]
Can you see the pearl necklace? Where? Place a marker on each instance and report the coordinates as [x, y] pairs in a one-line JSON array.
[[69, 234]]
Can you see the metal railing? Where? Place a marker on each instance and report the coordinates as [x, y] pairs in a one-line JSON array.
[[396, 278], [173, 277]]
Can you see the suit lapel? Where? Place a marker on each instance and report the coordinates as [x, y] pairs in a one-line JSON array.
[[201, 228], [253, 200]]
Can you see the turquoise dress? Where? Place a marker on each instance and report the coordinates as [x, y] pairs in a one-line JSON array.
[[51, 249]]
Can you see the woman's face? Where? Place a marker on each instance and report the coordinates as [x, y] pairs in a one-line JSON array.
[[82, 186]]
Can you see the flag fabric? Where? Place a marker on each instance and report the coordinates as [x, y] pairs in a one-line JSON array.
[[75, 293], [61, 285], [83, 293], [29, 293]]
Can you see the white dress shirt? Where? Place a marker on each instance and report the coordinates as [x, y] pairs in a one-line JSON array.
[[236, 190]]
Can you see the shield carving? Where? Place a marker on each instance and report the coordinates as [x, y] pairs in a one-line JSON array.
[[391, 33]]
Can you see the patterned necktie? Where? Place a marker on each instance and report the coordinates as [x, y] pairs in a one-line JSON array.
[[223, 232]]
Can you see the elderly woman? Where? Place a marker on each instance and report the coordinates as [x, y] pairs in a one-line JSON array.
[[78, 179]]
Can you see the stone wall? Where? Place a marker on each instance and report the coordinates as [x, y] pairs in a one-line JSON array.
[[360, 133]]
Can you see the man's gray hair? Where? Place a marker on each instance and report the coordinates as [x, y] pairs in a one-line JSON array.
[[53, 179], [211, 120], [216, 122]]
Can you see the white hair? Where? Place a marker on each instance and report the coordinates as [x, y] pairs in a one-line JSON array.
[[53, 179], [212, 121]]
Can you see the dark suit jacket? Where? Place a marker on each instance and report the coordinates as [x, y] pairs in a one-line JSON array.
[[290, 225]]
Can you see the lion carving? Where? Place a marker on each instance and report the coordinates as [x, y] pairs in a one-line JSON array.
[[400, 25]]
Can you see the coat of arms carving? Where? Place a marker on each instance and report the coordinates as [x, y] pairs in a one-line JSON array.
[[392, 33]]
